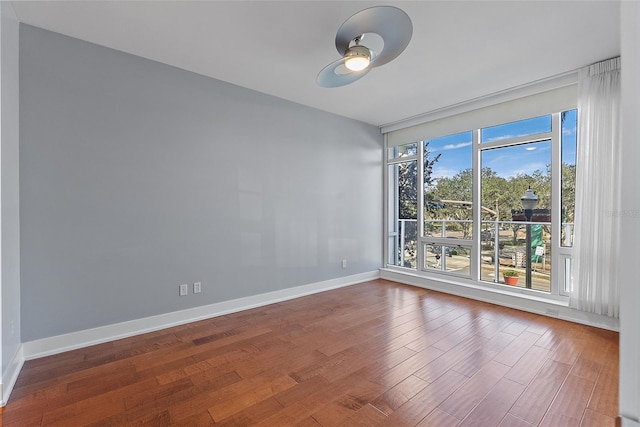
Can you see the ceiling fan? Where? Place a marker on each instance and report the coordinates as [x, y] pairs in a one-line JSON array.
[[368, 39]]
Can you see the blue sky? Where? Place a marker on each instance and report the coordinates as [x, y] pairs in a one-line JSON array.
[[456, 149]]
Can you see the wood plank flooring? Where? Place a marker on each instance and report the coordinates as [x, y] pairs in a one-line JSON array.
[[373, 354]]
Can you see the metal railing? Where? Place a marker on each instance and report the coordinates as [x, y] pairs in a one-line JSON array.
[[504, 251]]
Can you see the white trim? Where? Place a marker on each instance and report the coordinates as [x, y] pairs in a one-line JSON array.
[[628, 422], [543, 85], [74, 340], [385, 204], [420, 262], [10, 375], [475, 265], [506, 298], [557, 284]]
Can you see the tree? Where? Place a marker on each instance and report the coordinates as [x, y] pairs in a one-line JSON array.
[[446, 193], [568, 192], [495, 196], [407, 183], [407, 179], [518, 185], [539, 182], [499, 196], [541, 185]]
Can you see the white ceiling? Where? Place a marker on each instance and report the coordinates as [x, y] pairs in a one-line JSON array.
[[460, 50]]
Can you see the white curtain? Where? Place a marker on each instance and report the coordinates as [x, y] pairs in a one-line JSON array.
[[595, 286]]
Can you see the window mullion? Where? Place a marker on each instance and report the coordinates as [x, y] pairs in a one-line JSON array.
[[476, 212], [385, 203], [508, 142], [399, 160], [420, 208], [557, 270]]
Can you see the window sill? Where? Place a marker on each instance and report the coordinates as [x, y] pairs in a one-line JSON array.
[[520, 299]]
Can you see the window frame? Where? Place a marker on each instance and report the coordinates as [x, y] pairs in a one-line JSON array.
[[561, 256], [389, 206]]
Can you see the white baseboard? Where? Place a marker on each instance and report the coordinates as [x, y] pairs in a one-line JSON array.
[[537, 305], [74, 340], [10, 375]]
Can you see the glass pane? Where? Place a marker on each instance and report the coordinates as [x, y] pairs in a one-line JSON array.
[[453, 259], [515, 129], [455, 229], [405, 150], [506, 242], [402, 213], [507, 172], [567, 275], [448, 186], [568, 195]]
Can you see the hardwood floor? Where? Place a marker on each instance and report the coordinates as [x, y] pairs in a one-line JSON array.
[[376, 353]]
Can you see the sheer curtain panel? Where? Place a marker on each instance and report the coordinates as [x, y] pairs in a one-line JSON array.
[[595, 286]]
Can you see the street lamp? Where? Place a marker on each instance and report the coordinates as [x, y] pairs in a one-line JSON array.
[[529, 203]]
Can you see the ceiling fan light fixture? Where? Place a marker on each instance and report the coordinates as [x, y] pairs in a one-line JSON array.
[[389, 26], [357, 58]]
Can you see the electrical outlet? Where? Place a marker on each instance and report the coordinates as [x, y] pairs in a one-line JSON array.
[[184, 290], [197, 287], [344, 263]]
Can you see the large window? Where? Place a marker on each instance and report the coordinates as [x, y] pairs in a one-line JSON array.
[[403, 210], [509, 169], [448, 203], [471, 222]]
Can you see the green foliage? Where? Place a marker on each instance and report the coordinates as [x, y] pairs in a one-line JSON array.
[[568, 192], [510, 273], [407, 180], [450, 198], [495, 196], [457, 188], [407, 183], [498, 195], [454, 226]]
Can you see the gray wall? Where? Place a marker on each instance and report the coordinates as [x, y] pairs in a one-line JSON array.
[[136, 176], [10, 261], [630, 215]]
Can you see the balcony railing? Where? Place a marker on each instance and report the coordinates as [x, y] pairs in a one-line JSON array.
[[403, 244], [502, 247]]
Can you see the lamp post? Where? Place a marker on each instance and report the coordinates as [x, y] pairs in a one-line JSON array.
[[529, 203]]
